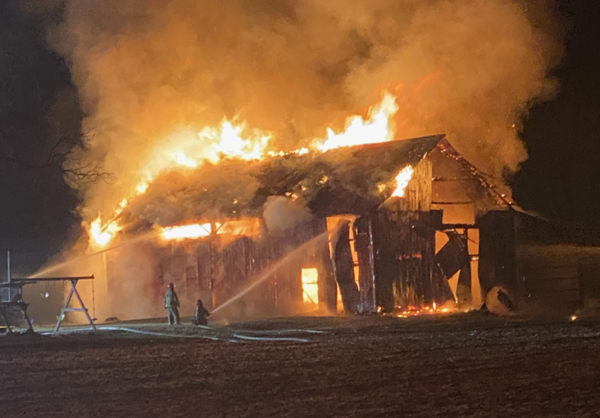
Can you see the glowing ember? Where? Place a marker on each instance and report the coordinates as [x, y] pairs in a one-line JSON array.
[[573, 318], [402, 180], [194, 231], [377, 128], [411, 311]]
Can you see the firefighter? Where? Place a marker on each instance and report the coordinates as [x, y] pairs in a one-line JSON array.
[[171, 303], [200, 314]]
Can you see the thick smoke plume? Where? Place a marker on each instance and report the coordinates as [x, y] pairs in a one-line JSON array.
[[281, 214], [146, 68]]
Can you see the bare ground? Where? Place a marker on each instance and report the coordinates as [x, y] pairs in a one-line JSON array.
[[464, 366]]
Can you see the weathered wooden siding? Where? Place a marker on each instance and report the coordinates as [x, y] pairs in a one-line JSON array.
[[217, 268], [363, 244], [404, 260], [417, 195]]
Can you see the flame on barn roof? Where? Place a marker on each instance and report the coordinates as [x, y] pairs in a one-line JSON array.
[[340, 181], [343, 180]]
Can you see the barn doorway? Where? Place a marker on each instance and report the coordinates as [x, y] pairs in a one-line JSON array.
[[310, 287]]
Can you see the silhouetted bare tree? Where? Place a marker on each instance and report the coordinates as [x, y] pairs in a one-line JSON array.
[[61, 158]]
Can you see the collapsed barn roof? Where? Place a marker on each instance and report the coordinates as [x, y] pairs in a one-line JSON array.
[[342, 181]]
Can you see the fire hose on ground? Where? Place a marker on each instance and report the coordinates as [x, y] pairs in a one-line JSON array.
[[233, 336]]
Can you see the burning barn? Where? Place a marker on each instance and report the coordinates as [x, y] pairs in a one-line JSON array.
[[374, 227], [404, 226]]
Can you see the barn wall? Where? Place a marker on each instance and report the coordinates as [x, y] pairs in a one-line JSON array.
[[134, 288], [441, 194], [403, 255], [450, 190], [218, 267], [404, 260]]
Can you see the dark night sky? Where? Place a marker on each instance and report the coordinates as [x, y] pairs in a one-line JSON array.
[[560, 180], [35, 203]]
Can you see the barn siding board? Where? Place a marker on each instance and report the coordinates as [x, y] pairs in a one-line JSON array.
[[363, 246]]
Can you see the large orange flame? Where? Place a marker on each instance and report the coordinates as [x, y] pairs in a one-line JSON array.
[[102, 234], [377, 128], [402, 180], [245, 226], [194, 231], [187, 149]]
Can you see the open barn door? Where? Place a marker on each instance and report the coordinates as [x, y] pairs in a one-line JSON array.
[[343, 266]]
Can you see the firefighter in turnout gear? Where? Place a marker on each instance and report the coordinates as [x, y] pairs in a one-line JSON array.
[[171, 303], [200, 314]]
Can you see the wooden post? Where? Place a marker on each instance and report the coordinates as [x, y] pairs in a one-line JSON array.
[[363, 244], [8, 265], [372, 266], [8, 275], [326, 279], [65, 308]]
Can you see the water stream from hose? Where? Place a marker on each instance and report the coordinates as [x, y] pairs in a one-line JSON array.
[[269, 271]]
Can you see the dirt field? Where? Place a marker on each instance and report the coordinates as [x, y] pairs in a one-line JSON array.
[[368, 367]]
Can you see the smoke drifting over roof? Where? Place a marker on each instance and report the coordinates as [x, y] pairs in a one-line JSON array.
[[145, 68]]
